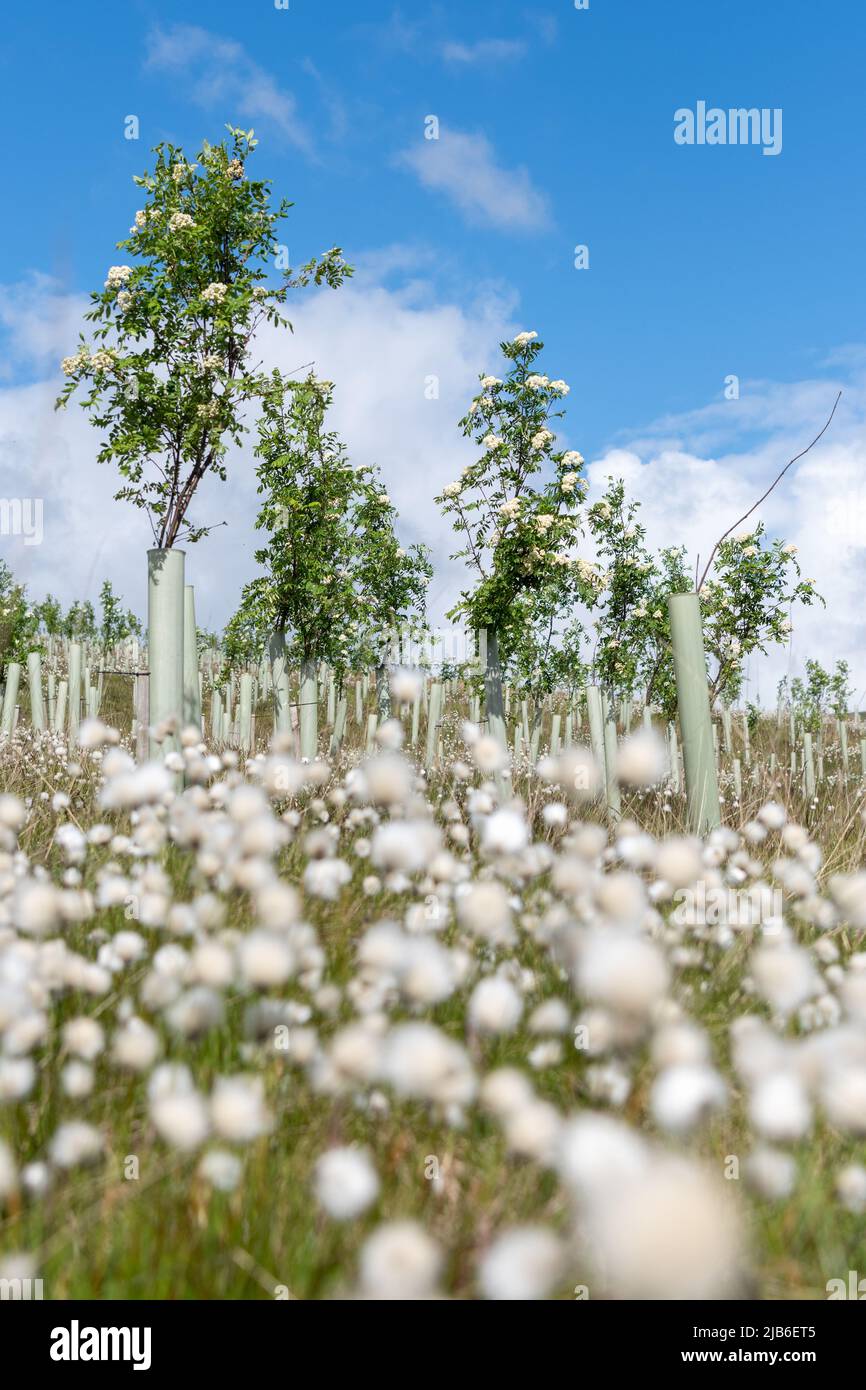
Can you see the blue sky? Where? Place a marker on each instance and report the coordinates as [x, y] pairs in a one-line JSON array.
[[703, 261], [556, 130]]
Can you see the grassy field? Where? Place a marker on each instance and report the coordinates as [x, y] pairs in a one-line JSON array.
[[727, 1183]]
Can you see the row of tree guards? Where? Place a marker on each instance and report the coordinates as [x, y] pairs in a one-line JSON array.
[[170, 692]]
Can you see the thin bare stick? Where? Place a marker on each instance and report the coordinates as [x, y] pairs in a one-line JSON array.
[[776, 480]]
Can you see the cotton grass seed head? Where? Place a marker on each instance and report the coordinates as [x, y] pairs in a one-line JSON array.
[[521, 1264], [346, 1183], [400, 1261]]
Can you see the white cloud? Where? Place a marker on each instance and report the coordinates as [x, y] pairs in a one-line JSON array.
[[222, 73], [381, 346], [485, 53], [464, 167], [42, 323]]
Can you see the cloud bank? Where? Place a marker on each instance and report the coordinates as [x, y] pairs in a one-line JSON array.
[[405, 364]]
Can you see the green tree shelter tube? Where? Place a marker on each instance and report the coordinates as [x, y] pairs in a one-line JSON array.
[[493, 703], [309, 714], [191, 690], [280, 677], [245, 712], [34, 680], [693, 702], [10, 697], [165, 613], [595, 712], [73, 687]]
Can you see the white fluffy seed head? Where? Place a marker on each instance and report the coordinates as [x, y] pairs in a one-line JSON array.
[[84, 1038], [75, 1143], [772, 816], [388, 779], [36, 907], [346, 1183], [265, 959], [505, 832], [771, 1173], [532, 1130], [679, 861], [77, 1079], [673, 1233], [406, 685], [851, 1187], [779, 1108], [596, 1152], [523, 1263], [181, 1119], [552, 1016], [505, 1090], [488, 754], [621, 897], [404, 846], [679, 1044], [238, 1110], [641, 759], [400, 1261], [627, 973], [494, 1006], [223, 1170], [13, 812], [844, 1098], [785, 976], [418, 1060], [485, 911], [577, 774], [135, 1046], [682, 1096]]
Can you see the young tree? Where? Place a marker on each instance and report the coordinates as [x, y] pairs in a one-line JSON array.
[[519, 536], [334, 577], [49, 615], [206, 641], [242, 640], [18, 619], [745, 603], [548, 651], [168, 373], [756, 581], [821, 691], [79, 623], [117, 623], [391, 581], [632, 645]]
